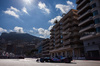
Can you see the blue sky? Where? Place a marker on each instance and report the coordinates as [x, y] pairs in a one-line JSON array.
[[35, 17]]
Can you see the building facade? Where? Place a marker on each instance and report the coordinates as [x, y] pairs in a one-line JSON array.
[[89, 11], [39, 48], [65, 37], [45, 48]]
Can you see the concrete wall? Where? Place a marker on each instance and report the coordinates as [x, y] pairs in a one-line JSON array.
[[88, 44]]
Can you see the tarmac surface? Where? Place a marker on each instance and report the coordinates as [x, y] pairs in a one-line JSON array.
[[32, 62]]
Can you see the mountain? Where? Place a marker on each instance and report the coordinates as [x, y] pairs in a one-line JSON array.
[[19, 36]]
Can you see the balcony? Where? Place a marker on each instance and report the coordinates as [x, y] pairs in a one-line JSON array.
[[76, 40], [87, 5], [66, 37], [57, 37], [51, 43], [85, 21], [76, 46], [75, 29], [57, 32], [75, 34], [57, 41], [87, 12], [57, 24], [46, 54], [66, 42], [87, 28], [98, 34], [97, 25], [75, 23], [52, 33], [44, 51], [89, 36], [46, 48], [51, 47], [78, 1], [46, 45], [51, 37], [52, 40], [81, 3], [93, 1], [58, 28], [75, 17], [69, 30], [57, 45], [75, 13], [52, 30], [66, 21], [66, 26]]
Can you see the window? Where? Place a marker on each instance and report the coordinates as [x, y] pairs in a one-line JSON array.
[[61, 37], [60, 27], [63, 54], [60, 23], [98, 29], [54, 44], [93, 42], [61, 41], [93, 5], [97, 20], [88, 44], [95, 13]]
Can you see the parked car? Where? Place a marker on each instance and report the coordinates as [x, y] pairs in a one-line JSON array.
[[47, 59], [67, 60], [55, 60], [21, 57], [41, 59], [60, 59]]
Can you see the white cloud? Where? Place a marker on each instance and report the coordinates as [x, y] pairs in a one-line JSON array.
[[42, 32], [41, 36], [70, 3], [28, 2], [18, 29], [12, 11], [45, 33], [50, 27], [2, 30], [31, 31], [10, 30], [24, 10], [43, 7], [56, 18], [15, 9], [35, 28], [65, 8], [15, 12]]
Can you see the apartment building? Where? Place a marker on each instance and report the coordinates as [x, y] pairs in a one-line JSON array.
[[39, 48], [52, 38], [89, 11], [65, 37], [45, 48]]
